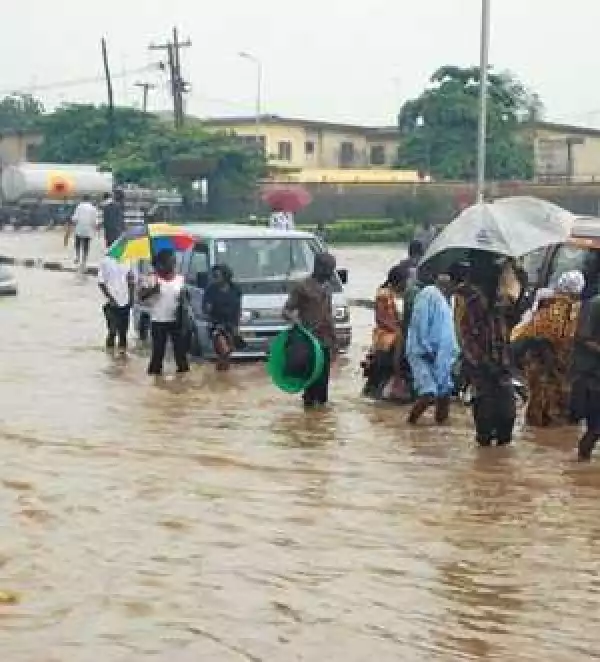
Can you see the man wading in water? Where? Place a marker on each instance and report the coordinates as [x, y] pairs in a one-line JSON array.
[[113, 216], [309, 304], [116, 282]]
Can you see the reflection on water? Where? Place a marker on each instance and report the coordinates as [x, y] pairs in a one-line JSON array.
[[211, 518]]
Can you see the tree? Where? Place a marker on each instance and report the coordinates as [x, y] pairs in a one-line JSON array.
[[439, 128], [19, 112], [80, 133], [145, 149]]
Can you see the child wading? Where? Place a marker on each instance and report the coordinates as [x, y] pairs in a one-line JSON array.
[[166, 298], [222, 305]]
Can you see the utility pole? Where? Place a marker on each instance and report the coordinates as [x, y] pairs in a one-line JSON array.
[[483, 99], [178, 85], [146, 87], [109, 89]]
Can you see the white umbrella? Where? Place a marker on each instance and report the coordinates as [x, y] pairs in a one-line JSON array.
[[509, 226]]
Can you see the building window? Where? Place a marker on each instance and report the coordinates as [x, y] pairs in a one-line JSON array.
[[284, 150], [377, 157], [250, 141], [346, 155], [309, 148], [31, 152]]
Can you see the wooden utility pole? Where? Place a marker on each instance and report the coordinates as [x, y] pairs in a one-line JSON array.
[[178, 85], [109, 89], [146, 87]]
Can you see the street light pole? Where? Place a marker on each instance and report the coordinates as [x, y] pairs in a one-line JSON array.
[[259, 76], [483, 98]]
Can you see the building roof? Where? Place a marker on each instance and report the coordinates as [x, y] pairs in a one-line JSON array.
[[295, 121], [371, 131], [567, 128], [31, 133]]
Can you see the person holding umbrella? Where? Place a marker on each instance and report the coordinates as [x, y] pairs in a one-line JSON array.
[[166, 297], [285, 201]]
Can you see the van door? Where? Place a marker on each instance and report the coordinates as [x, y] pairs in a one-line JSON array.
[[196, 275]]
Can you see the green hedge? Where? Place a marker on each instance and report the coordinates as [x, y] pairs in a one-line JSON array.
[[356, 231]]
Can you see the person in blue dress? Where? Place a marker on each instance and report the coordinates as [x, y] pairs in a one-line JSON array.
[[432, 350]]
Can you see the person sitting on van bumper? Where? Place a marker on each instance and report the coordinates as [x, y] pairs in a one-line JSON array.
[[309, 304], [222, 304]]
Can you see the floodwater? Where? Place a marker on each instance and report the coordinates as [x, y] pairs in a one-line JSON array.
[[211, 518]]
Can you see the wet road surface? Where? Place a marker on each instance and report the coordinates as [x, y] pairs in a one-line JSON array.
[[211, 518]]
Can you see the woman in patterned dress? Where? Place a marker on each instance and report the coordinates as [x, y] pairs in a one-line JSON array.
[[386, 358], [543, 343]]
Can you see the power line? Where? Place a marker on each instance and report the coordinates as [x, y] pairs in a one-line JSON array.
[[74, 82]]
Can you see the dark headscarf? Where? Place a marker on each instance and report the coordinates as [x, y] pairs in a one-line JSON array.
[[324, 267]]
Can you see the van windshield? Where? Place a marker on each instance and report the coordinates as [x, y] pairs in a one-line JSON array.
[[267, 259]]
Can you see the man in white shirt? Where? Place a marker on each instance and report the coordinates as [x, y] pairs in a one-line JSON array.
[[85, 220], [116, 281]]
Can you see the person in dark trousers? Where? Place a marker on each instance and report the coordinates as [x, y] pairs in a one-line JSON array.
[[586, 377], [481, 312], [411, 263], [309, 304], [222, 304], [116, 281], [166, 297], [113, 216]]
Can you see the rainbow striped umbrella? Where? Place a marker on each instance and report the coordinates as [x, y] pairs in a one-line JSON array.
[[142, 242]]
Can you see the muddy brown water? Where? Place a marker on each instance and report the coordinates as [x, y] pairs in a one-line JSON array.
[[212, 519]]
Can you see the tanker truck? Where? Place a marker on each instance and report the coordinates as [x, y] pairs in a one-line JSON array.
[[34, 194]]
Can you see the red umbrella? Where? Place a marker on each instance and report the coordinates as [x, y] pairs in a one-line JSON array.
[[288, 199]]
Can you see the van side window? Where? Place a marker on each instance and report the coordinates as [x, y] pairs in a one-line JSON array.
[[567, 258], [198, 268]]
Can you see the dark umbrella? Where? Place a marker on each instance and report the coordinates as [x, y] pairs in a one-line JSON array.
[[287, 198]]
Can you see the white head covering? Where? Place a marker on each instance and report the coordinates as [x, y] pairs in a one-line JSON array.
[[571, 282]]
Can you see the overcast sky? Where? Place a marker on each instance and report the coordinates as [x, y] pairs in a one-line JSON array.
[[330, 59]]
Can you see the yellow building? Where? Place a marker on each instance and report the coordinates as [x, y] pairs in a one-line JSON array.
[[18, 146], [298, 144], [316, 151], [566, 153]]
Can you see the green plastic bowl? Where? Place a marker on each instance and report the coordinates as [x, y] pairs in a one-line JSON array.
[[276, 363]]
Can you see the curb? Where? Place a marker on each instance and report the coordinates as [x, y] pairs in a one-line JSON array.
[[52, 265], [48, 265]]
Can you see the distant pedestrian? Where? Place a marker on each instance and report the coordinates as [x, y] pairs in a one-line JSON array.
[[116, 281], [411, 263], [166, 296], [85, 222], [113, 216], [282, 220], [309, 304], [425, 233]]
